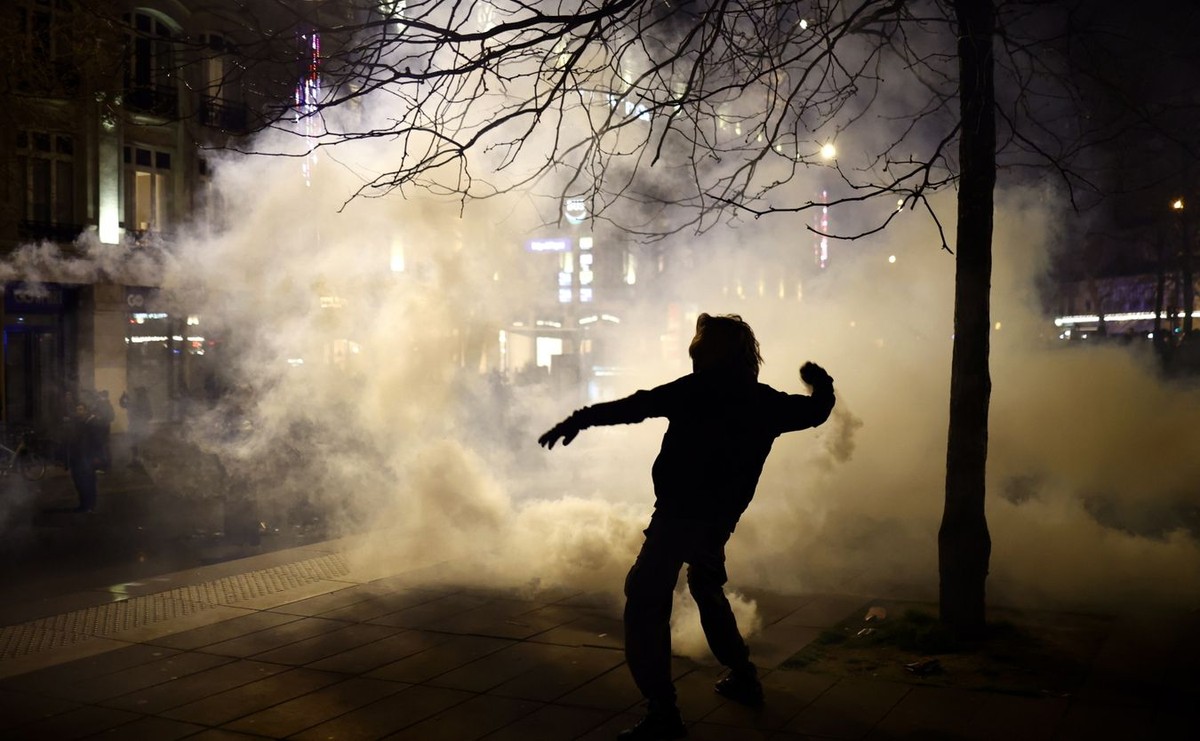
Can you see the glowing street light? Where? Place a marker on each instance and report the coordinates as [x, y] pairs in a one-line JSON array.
[[828, 151], [1177, 204]]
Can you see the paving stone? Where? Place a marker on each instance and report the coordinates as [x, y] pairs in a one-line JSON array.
[[430, 615], [609, 729], [696, 696], [604, 631], [551, 722], [389, 715], [826, 610], [709, 732], [495, 668], [262, 641], [57, 679], [160, 697], [144, 675], [1001, 717], [327, 703], [931, 712], [614, 690], [83, 721], [382, 604], [786, 692], [439, 659], [224, 631], [327, 644], [848, 709], [370, 656], [223, 707], [150, 727], [780, 642], [560, 670], [323, 603], [473, 719], [502, 619], [20, 708]]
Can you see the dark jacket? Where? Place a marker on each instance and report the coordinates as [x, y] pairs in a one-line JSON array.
[[86, 442], [721, 428]]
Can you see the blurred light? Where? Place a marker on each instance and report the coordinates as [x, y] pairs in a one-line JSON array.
[[1177, 204], [997, 326], [585, 243], [803, 25], [892, 259], [828, 151], [295, 362]]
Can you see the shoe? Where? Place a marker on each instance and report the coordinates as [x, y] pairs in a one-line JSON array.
[[741, 688], [656, 726]]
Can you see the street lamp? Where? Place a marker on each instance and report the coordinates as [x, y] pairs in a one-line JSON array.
[[828, 151]]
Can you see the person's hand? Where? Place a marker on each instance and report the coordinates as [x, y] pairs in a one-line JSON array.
[[565, 430], [815, 375]]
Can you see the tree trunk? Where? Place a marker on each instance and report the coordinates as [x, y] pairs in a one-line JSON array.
[[1189, 287], [964, 545]]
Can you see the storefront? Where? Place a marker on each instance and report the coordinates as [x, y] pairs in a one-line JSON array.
[[39, 353]]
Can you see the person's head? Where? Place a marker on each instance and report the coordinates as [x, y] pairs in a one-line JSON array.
[[725, 342], [81, 410]]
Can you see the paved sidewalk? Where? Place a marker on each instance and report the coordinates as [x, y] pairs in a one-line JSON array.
[[302, 644]]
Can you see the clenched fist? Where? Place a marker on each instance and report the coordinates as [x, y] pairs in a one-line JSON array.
[[815, 375]]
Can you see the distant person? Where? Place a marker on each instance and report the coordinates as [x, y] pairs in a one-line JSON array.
[[105, 415], [721, 424], [140, 412], [84, 455]]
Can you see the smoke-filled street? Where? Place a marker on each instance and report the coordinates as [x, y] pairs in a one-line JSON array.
[[572, 369]]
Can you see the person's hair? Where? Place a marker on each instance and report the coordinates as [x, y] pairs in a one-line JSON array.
[[725, 341]]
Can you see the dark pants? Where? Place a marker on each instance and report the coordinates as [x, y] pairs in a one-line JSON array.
[[83, 475], [669, 544]]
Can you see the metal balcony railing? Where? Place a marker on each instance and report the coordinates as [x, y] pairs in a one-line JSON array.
[[156, 100], [222, 114]]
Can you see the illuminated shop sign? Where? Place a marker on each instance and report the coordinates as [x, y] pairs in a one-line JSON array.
[[549, 245]]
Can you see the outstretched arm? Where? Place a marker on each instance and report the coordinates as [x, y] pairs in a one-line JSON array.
[[630, 410]]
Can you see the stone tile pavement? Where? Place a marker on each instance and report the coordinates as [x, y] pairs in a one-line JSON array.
[[301, 644]]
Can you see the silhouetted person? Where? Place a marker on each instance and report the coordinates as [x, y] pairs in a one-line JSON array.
[[105, 414], [140, 413], [84, 453], [722, 423]]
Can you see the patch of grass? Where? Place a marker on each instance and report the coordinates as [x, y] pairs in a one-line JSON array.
[[1023, 652]]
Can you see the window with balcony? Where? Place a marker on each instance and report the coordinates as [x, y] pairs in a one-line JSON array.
[[220, 101], [150, 66], [149, 190], [46, 170]]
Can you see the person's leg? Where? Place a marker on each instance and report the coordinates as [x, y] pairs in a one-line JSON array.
[[649, 588], [648, 593], [706, 578]]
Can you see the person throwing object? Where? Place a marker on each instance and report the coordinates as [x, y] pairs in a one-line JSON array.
[[721, 425]]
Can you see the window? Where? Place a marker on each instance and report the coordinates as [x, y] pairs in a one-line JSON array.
[[149, 189], [46, 164], [149, 65], [43, 27]]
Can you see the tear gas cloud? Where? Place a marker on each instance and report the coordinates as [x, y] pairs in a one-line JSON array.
[[381, 430]]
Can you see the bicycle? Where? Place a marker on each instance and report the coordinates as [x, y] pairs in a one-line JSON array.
[[22, 458]]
